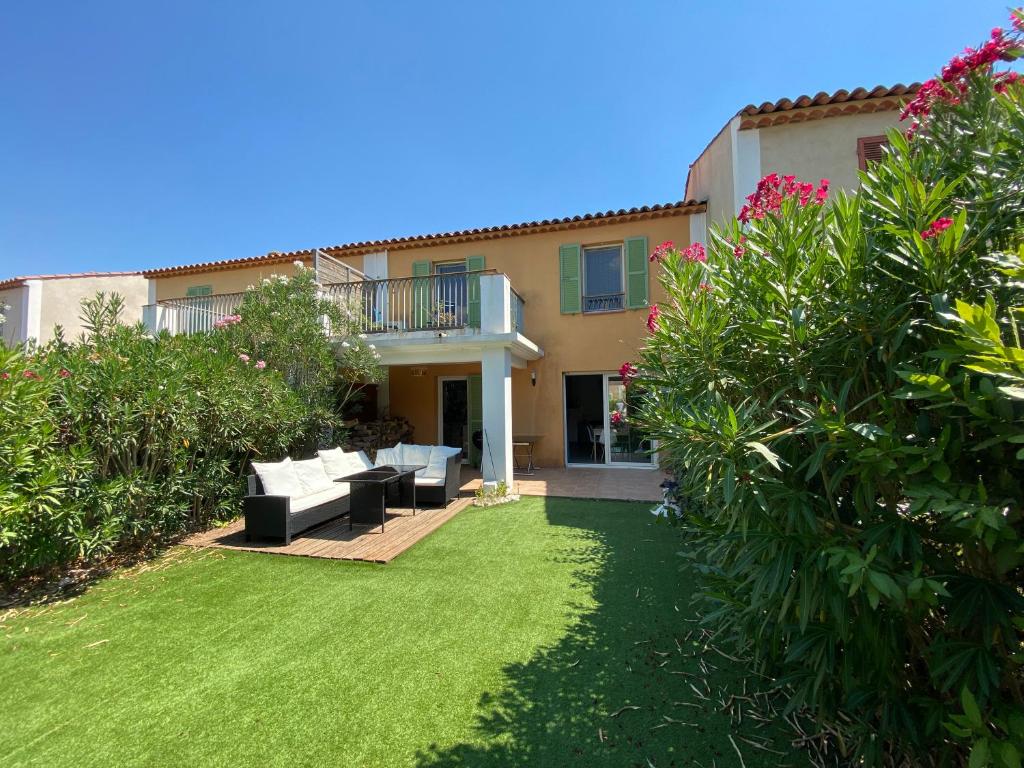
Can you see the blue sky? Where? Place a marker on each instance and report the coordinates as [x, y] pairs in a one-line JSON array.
[[139, 134]]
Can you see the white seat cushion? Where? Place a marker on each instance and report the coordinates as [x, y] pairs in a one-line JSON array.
[[310, 500], [416, 454], [312, 475], [278, 478], [433, 481]]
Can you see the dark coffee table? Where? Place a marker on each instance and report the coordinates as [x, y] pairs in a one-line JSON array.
[[368, 491]]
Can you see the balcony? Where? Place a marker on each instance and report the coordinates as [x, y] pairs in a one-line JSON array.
[[459, 305], [444, 302]]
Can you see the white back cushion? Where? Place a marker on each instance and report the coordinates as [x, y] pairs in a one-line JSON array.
[[278, 478], [333, 461], [438, 464], [364, 461], [389, 456], [312, 475], [416, 454]]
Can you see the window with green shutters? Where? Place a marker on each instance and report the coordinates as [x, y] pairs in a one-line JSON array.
[[636, 272]]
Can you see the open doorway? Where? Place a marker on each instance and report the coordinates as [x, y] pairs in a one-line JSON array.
[[598, 430], [453, 413]]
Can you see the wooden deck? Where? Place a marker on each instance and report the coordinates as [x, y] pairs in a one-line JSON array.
[[334, 541]]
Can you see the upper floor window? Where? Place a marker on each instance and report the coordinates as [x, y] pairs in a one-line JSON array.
[[870, 149], [602, 279]]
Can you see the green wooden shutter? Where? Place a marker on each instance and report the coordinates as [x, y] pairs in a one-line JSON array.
[[473, 264], [475, 391], [636, 272], [420, 295], [569, 278]]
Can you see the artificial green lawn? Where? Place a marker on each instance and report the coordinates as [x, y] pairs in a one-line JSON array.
[[511, 636]]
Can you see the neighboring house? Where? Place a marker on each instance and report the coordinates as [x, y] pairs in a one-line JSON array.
[[829, 136], [40, 303], [499, 333]]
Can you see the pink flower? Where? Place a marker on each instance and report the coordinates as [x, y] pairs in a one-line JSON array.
[[32, 375], [706, 287], [64, 373], [739, 249], [617, 417], [822, 194], [260, 365], [936, 227], [695, 253], [661, 250], [5, 376], [652, 318], [628, 372], [243, 357]]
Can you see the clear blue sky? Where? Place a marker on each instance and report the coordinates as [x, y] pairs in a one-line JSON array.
[[141, 134]]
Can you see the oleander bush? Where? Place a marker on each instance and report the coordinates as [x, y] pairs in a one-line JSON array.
[[120, 439], [838, 387]]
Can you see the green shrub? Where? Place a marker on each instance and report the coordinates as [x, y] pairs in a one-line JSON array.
[[124, 438], [838, 389]]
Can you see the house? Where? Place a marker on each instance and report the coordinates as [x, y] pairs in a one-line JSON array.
[[831, 136], [490, 336], [40, 303]]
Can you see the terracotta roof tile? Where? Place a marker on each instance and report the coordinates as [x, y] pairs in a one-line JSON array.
[[822, 99], [464, 235]]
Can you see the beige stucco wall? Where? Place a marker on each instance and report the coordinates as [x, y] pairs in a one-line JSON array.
[[710, 178], [824, 148], [61, 301], [13, 330], [223, 280]]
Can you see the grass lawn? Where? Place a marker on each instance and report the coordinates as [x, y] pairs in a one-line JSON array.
[[514, 635]]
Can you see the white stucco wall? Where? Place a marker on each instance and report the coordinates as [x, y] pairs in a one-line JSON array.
[[819, 149]]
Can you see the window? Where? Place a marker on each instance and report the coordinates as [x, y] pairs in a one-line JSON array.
[[870, 150], [602, 279]]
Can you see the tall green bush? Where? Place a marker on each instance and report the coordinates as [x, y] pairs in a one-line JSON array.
[[838, 388], [122, 438]]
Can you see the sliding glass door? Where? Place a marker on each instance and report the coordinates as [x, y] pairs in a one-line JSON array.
[[598, 428]]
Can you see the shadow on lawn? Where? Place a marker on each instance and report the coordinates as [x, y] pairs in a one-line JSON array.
[[620, 654]]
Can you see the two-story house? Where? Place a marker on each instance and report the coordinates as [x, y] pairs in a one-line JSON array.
[[490, 336]]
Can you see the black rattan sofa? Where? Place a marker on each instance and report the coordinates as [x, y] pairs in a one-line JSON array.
[[274, 516]]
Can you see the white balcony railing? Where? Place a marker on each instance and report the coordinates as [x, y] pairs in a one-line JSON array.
[[193, 314], [395, 305]]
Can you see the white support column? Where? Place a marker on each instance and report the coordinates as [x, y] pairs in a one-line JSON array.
[[496, 382], [698, 228], [495, 304]]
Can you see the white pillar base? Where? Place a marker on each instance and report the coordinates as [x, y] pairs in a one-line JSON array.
[[496, 382]]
